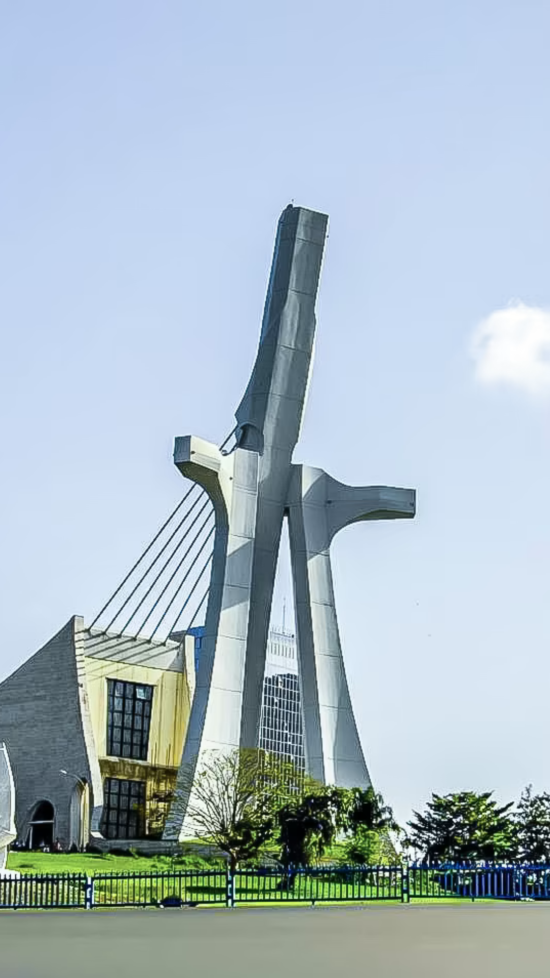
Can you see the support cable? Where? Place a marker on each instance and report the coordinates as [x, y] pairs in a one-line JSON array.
[[198, 608], [144, 554], [159, 555], [182, 582], [189, 596], [147, 550], [230, 435], [165, 565]]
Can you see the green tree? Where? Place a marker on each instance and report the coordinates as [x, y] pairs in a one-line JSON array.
[[462, 827], [366, 808], [532, 820], [233, 799], [365, 847], [369, 822], [309, 824]]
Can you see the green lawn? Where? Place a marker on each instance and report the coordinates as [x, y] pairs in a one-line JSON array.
[[89, 863]]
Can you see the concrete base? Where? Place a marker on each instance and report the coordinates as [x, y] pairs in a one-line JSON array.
[[146, 847]]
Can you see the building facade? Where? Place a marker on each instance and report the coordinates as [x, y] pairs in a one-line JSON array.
[[96, 745], [94, 725], [281, 723]]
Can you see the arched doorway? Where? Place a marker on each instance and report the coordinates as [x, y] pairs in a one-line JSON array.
[[41, 826]]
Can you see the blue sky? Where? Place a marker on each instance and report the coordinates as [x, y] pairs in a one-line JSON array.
[[147, 152]]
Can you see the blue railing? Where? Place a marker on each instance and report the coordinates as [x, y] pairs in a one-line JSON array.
[[311, 885], [489, 882]]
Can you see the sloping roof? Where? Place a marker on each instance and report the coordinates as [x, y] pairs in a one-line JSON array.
[[166, 655]]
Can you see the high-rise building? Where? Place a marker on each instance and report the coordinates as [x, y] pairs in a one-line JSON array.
[[281, 727]]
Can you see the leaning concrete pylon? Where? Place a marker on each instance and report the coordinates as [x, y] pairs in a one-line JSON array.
[[253, 488]]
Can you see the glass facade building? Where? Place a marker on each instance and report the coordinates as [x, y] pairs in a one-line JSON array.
[[281, 725]]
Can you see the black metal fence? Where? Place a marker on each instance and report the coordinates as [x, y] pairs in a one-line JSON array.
[[311, 885], [61, 891], [151, 889], [317, 885]]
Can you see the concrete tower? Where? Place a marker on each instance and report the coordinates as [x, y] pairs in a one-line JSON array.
[[253, 488]]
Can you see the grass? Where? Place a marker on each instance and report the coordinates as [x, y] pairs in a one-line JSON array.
[[91, 863]]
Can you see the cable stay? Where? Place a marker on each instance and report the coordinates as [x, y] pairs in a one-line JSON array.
[[144, 554], [159, 574], [164, 567], [165, 571], [171, 578], [192, 590]]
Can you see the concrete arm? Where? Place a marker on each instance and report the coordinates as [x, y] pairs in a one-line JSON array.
[[202, 462], [351, 504]]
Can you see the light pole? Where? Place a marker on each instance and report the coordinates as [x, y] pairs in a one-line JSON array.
[[68, 774]]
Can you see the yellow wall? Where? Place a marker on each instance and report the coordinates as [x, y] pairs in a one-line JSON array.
[[160, 784], [169, 715]]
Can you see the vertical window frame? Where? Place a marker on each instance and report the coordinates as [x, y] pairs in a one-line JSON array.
[[124, 738]]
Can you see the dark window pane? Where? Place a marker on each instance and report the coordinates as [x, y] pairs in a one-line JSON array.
[[129, 710], [124, 809]]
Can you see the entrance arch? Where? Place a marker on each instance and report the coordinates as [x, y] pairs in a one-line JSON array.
[[41, 825]]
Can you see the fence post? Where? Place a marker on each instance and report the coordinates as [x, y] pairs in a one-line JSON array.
[[230, 893], [405, 890], [89, 898]]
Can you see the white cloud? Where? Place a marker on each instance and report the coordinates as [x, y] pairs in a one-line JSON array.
[[512, 346]]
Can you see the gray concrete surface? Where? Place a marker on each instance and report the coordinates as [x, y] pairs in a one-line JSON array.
[[254, 487], [382, 942]]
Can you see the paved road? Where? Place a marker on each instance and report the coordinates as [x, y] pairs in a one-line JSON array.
[[382, 942]]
